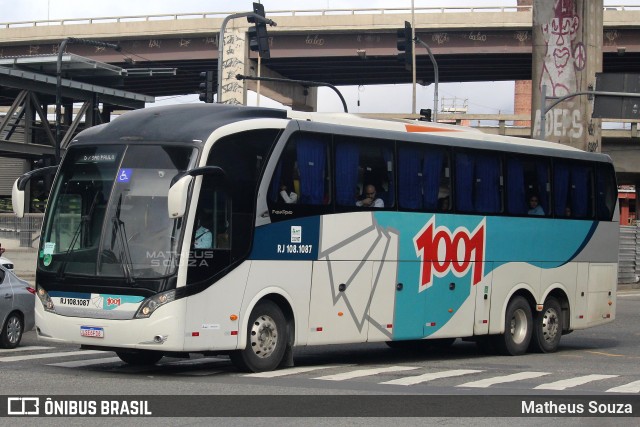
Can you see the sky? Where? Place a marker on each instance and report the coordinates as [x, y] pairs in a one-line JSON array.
[[480, 97]]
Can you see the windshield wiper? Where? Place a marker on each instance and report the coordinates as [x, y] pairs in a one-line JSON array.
[[84, 219], [125, 254]]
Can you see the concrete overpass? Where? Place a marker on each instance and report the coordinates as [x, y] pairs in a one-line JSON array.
[[342, 47]]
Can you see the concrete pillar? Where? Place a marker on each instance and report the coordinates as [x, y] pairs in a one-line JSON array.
[[567, 52], [233, 63], [522, 90], [292, 95]]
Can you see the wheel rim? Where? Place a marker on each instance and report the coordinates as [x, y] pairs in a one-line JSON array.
[[14, 330], [264, 336], [550, 325], [518, 326]]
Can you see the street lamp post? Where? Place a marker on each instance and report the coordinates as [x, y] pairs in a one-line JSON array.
[[544, 108], [435, 78]]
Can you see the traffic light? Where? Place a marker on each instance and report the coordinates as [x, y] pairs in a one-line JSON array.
[[206, 87], [405, 46], [258, 37]]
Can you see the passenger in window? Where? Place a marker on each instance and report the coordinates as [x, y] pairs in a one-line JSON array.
[[288, 197], [444, 204], [203, 238], [534, 207], [370, 200]]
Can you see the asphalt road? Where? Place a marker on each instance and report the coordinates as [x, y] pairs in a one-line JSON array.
[[601, 362]]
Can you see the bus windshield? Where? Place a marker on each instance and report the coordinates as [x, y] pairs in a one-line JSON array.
[[108, 215]]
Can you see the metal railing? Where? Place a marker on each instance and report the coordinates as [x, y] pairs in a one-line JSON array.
[[25, 230], [308, 12]]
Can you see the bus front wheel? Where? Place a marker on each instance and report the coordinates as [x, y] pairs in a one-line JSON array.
[[547, 328], [266, 339], [518, 328]]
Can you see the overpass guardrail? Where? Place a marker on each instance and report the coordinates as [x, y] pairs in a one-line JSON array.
[[307, 12]]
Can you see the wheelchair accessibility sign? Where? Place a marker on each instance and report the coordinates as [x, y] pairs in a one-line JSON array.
[[124, 175]]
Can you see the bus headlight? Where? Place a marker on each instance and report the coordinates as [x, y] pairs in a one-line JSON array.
[[152, 304], [45, 299]]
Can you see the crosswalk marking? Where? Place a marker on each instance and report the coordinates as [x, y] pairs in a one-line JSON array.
[[25, 348], [633, 387], [292, 371], [365, 373], [572, 382], [503, 379], [86, 362], [431, 376], [48, 355]]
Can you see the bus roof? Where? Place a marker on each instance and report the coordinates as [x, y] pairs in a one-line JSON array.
[[189, 122]]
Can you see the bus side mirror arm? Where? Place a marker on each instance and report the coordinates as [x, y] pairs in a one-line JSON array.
[[17, 192]]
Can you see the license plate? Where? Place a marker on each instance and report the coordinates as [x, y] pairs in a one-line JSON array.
[[91, 331]]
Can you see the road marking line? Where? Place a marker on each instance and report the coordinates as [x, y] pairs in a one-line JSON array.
[[87, 362], [572, 382], [633, 387], [365, 373], [431, 376], [26, 348], [504, 379], [49, 355], [292, 371]]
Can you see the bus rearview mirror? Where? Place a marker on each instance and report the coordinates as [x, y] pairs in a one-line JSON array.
[[177, 198], [17, 199]]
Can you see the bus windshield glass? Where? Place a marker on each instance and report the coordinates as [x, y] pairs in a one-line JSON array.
[[108, 215]]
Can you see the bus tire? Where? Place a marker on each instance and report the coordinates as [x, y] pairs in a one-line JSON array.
[[140, 357], [266, 339], [547, 327], [518, 326], [11, 331]]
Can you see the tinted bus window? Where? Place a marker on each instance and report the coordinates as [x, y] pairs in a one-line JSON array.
[[573, 190], [606, 192], [423, 178], [303, 172], [363, 165], [527, 182], [478, 180]]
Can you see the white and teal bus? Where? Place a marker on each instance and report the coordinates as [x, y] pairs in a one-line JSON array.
[[168, 232]]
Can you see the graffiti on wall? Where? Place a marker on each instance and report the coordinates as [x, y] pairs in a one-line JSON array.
[[564, 57]]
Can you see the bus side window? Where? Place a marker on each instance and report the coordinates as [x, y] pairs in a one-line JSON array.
[[527, 177], [423, 179], [606, 192], [573, 190], [362, 162], [302, 173], [478, 182]]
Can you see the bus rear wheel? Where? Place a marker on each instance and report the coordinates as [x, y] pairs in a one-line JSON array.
[[518, 327], [139, 357], [547, 328], [266, 339]]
